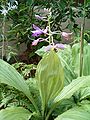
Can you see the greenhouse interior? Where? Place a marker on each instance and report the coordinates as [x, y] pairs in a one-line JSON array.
[[44, 59]]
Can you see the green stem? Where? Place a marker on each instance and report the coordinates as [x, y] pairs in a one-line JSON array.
[[3, 37], [43, 112], [81, 50], [49, 30], [82, 43], [34, 104], [50, 33], [44, 109], [50, 111]]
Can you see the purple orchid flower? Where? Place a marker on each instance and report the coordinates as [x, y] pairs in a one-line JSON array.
[[57, 46], [38, 31], [35, 42]]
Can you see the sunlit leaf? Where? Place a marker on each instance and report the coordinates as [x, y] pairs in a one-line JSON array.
[[41, 51], [84, 93], [74, 86], [77, 113], [66, 60], [50, 77], [9, 76], [76, 59], [15, 113], [86, 66]]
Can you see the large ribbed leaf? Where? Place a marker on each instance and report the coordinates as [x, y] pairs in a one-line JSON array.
[[77, 113], [10, 76], [70, 89], [49, 77], [65, 58], [76, 58], [15, 113], [86, 65]]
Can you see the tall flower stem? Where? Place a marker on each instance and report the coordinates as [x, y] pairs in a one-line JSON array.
[[50, 33], [82, 42], [3, 37]]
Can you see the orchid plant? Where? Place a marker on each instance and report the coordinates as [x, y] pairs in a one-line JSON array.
[[48, 34]]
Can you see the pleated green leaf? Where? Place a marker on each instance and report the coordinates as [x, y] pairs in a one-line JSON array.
[[77, 113], [74, 86], [15, 113], [84, 93], [86, 62], [9, 76], [76, 58], [50, 77], [66, 58]]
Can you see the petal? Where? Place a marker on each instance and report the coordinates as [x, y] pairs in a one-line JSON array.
[[49, 47], [39, 17], [41, 39], [36, 27], [37, 33], [66, 35], [45, 31], [61, 46], [35, 42]]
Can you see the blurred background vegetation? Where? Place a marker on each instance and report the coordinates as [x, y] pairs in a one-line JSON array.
[[16, 25]]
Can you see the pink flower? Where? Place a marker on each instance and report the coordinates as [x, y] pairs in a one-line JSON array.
[[35, 42], [66, 36]]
